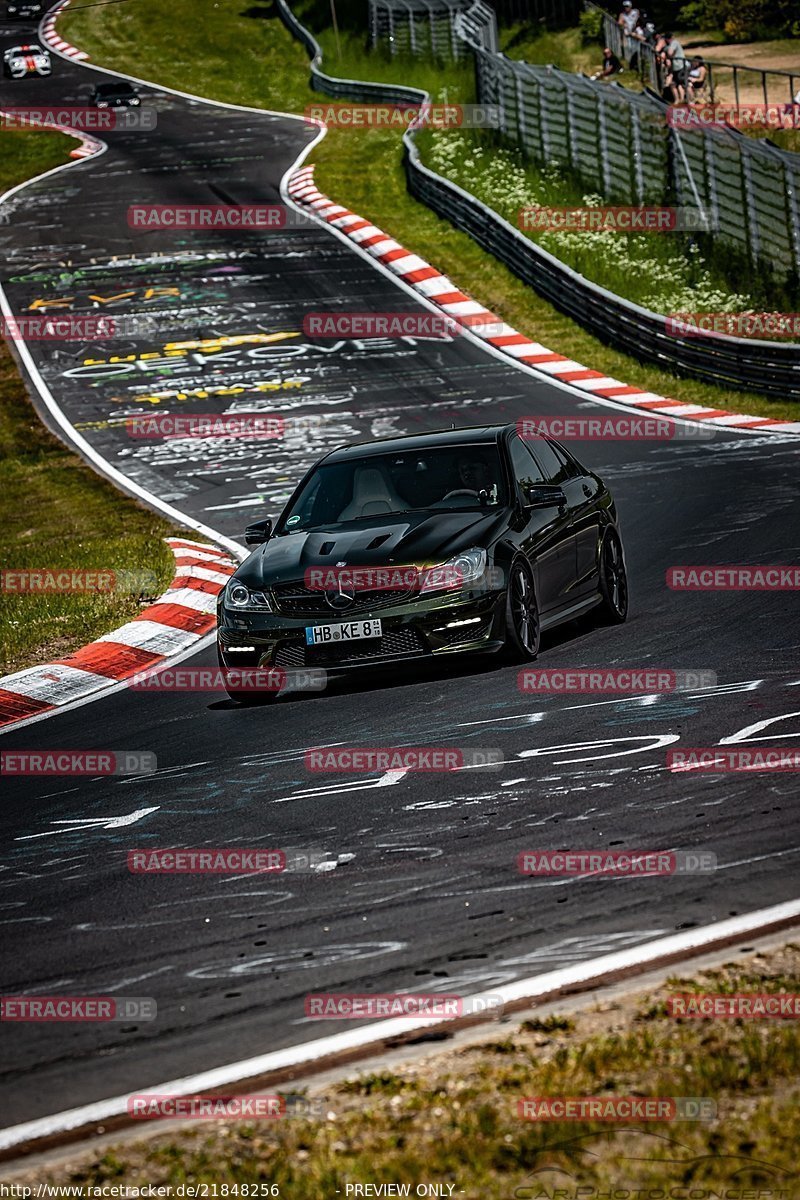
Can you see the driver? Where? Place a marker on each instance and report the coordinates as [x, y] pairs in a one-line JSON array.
[[475, 475]]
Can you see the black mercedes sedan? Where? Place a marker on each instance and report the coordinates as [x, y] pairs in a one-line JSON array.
[[118, 94], [457, 542]]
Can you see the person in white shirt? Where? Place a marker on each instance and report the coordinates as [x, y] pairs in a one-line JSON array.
[[629, 18]]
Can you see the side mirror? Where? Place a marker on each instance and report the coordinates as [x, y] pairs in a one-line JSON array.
[[258, 533], [545, 495]]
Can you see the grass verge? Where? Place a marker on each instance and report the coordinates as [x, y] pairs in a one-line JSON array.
[[56, 512], [452, 1117], [272, 70]]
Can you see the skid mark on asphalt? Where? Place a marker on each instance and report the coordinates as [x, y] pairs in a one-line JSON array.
[[300, 959], [265, 899]]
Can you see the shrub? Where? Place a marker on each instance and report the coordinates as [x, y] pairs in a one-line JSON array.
[[591, 26]]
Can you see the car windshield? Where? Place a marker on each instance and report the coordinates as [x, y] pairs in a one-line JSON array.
[[382, 485], [19, 50], [115, 89]]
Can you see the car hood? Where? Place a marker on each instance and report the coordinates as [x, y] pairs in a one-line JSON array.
[[410, 538]]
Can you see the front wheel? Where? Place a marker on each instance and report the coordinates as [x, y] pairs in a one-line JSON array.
[[522, 614], [613, 580]]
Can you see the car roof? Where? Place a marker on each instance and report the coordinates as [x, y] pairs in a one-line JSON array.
[[469, 435], [120, 85], [25, 48]]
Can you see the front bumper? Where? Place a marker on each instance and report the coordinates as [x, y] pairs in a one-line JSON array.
[[412, 630]]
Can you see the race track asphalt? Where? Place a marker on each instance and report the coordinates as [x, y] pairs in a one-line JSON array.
[[423, 891]]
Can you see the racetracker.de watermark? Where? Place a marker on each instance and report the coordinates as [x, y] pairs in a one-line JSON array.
[[206, 425], [724, 759], [613, 428], [394, 579], [149, 1106], [617, 1108], [227, 860], [61, 580], [77, 762], [740, 116], [734, 1005], [739, 325], [75, 327], [405, 116], [736, 577], [250, 218], [257, 680], [623, 681], [424, 325], [613, 219], [617, 863], [77, 1008], [401, 758], [90, 119], [355, 1006]]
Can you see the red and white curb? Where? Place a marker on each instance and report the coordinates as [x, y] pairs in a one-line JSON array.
[[51, 38], [88, 145], [183, 615], [441, 291]]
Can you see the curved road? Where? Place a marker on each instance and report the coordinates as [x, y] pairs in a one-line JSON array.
[[424, 894]]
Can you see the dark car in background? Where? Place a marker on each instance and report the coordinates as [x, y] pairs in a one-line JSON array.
[[459, 542], [24, 10], [119, 94]]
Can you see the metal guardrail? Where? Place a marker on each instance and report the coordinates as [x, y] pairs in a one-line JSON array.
[[634, 148], [443, 29], [769, 368], [352, 89], [477, 26]]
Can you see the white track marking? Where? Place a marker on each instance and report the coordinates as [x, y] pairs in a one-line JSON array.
[[586, 974], [74, 824]]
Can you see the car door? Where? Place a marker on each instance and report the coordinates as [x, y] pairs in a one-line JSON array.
[[581, 489], [548, 539]]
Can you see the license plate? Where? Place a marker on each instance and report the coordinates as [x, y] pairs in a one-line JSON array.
[[347, 631]]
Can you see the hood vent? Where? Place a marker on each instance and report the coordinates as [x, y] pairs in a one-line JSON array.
[[327, 547], [378, 541]]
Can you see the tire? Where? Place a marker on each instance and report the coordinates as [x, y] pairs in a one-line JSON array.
[[613, 580], [523, 627]]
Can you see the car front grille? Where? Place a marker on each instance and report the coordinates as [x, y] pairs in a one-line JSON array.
[[294, 600], [395, 643]]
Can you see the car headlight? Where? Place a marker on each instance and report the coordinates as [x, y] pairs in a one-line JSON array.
[[102, 104], [464, 568], [239, 596]]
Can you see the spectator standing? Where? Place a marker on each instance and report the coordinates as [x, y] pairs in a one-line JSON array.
[[628, 19], [645, 32], [677, 68]]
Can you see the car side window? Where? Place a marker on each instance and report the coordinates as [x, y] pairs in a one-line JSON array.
[[526, 469], [555, 467]]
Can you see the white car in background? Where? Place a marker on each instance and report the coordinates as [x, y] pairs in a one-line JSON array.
[[21, 61]]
